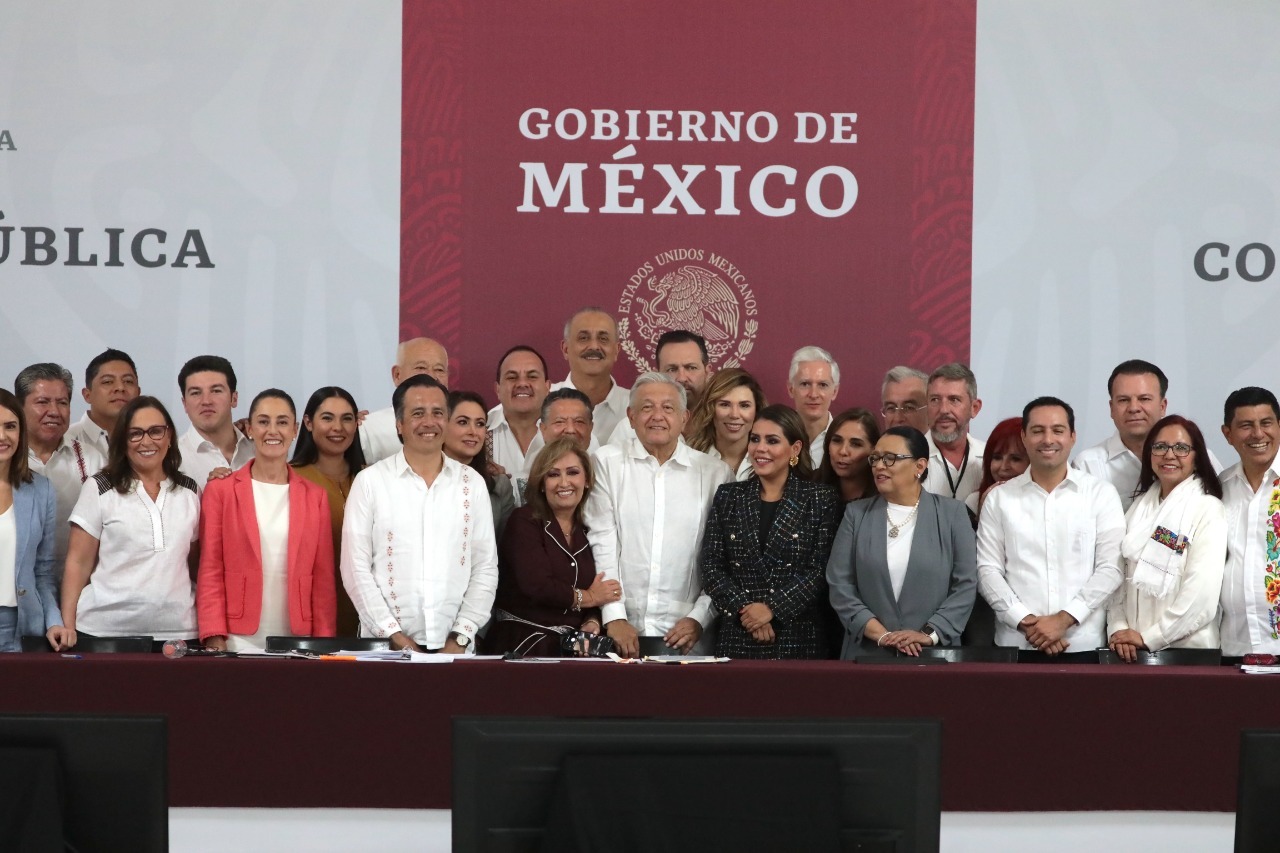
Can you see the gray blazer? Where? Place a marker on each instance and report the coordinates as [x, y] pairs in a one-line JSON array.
[[942, 571]]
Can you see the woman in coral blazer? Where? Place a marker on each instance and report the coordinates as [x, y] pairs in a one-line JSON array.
[[266, 559]]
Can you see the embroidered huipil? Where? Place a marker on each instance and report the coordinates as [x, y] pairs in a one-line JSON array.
[[419, 559], [1251, 584], [644, 522]]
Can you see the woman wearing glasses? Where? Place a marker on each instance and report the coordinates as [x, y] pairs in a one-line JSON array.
[[1175, 548], [133, 530], [266, 562], [903, 570]]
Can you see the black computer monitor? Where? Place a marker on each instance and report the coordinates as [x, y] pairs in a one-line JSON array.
[[1258, 791], [102, 782], [564, 784]]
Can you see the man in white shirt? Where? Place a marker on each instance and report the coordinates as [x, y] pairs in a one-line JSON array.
[[378, 436], [682, 356], [1136, 393], [904, 398], [644, 519], [521, 385], [110, 382], [212, 444], [955, 456], [1049, 543], [418, 554], [813, 382], [591, 347], [1251, 494], [44, 390]]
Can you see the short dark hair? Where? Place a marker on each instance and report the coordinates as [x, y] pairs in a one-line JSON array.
[[45, 371], [1250, 395], [680, 336], [107, 355], [273, 394], [209, 364], [418, 380], [1138, 367], [566, 394], [917, 445], [1046, 402], [497, 374]]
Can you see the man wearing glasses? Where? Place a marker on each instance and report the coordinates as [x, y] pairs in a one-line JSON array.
[[904, 398], [1049, 543], [1136, 396]]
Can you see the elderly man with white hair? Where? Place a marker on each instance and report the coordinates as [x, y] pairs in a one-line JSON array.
[[644, 518], [813, 382]]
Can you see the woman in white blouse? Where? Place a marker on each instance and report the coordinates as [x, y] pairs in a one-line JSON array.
[[721, 423], [132, 552], [1175, 548]]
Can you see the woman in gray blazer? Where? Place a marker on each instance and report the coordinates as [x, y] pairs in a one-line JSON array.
[[903, 568], [28, 604]]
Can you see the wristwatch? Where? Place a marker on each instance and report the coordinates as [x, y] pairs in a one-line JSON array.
[[932, 634], [461, 639]]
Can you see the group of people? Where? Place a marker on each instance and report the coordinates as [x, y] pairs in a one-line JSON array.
[[683, 515]]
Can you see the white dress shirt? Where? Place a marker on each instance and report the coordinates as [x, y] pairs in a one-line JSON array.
[[378, 436], [88, 433], [142, 584], [416, 558], [744, 467], [201, 456], [815, 446], [67, 469], [645, 523], [1249, 615], [958, 485], [1041, 552], [9, 558], [504, 448], [1118, 465], [606, 416]]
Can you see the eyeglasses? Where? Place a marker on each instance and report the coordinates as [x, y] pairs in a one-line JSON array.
[[887, 459], [1180, 450], [906, 409], [154, 433]]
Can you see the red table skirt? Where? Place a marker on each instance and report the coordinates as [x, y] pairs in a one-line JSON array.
[[296, 733]]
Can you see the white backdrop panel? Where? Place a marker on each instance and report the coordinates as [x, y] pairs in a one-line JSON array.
[[274, 128], [1113, 140]]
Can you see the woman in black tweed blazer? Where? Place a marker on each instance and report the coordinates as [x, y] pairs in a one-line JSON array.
[[765, 548]]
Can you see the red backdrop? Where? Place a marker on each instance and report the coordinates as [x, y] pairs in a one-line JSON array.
[[885, 282]]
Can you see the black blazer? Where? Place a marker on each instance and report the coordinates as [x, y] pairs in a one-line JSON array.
[[787, 575]]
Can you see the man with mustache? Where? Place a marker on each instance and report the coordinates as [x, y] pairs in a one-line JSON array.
[[1251, 493], [682, 356], [1136, 396], [1049, 543], [212, 444], [644, 520], [591, 346], [110, 382], [378, 436], [955, 456], [44, 390]]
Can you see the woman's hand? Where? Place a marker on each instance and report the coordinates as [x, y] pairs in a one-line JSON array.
[[764, 635], [61, 638], [754, 616], [1126, 644], [906, 642], [601, 592], [591, 626]]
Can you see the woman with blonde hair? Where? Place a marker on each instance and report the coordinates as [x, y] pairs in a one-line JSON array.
[[721, 423]]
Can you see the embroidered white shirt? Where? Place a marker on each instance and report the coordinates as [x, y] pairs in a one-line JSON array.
[[201, 456], [606, 416], [142, 584], [1248, 620], [1041, 552], [645, 524], [419, 559], [67, 469], [87, 432], [936, 480], [1118, 465]]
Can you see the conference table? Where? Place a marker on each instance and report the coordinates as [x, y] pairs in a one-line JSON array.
[[310, 733]]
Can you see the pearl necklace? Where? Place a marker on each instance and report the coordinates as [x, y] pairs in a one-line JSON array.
[[894, 529]]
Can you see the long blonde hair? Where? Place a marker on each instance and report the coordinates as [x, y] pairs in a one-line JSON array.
[[702, 421]]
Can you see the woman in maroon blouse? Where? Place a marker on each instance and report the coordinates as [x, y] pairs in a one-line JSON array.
[[546, 573]]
